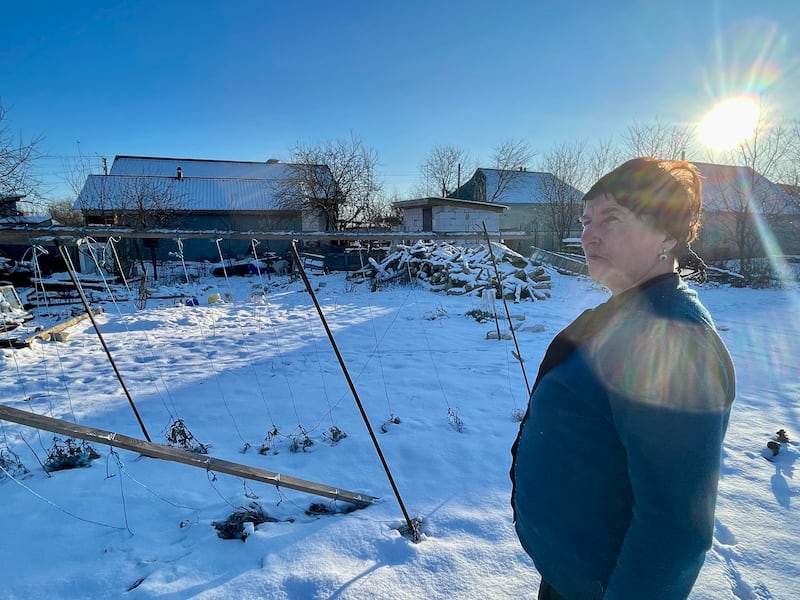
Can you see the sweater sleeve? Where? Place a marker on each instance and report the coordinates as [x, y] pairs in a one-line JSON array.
[[669, 402]]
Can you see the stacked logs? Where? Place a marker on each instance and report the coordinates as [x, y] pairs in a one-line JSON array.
[[456, 270]]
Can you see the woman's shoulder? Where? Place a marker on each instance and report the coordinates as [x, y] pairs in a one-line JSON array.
[[674, 300]]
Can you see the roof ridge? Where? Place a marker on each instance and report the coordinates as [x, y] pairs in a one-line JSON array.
[[516, 171], [217, 160], [185, 177]]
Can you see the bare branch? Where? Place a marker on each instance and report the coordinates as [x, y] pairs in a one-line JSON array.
[[337, 179], [658, 139], [64, 212], [17, 158], [444, 170], [509, 158], [750, 198], [571, 169]]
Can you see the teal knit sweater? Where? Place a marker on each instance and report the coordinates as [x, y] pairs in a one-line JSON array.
[[617, 460]]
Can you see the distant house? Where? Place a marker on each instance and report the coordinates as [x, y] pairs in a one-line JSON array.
[[534, 200], [193, 194], [743, 211], [450, 215], [537, 200], [12, 215]]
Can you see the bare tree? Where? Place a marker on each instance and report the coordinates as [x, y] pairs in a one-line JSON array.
[[76, 174], [78, 168], [17, 158], [381, 215], [569, 165], [790, 169], [442, 171], [149, 202], [336, 179], [601, 159], [658, 139], [749, 199], [510, 158], [64, 212]]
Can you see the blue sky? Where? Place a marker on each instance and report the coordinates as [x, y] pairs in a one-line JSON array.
[[246, 80]]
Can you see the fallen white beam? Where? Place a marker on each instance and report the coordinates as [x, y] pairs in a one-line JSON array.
[[193, 459]]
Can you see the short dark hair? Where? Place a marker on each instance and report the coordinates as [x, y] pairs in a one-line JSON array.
[[671, 191]]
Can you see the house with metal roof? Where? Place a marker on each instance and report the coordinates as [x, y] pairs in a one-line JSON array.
[[152, 193], [744, 213], [530, 198], [450, 215], [12, 214]]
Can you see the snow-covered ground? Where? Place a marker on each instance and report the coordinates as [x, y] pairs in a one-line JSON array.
[[235, 371]]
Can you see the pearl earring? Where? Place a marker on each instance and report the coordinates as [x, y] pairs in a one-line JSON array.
[[663, 256]]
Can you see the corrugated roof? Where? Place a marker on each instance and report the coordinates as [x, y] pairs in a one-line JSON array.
[[193, 167], [726, 187], [522, 187], [204, 185], [437, 201], [114, 192], [719, 182]]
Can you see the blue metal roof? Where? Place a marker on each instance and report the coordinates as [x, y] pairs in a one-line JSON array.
[[193, 167], [190, 184], [124, 192]]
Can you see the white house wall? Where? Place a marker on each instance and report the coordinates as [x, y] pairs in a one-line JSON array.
[[452, 219], [412, 219]]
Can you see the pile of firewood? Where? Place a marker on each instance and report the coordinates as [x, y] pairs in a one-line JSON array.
[[441, 266]]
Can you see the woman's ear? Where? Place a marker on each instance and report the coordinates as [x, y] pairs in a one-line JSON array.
[[670, 243]]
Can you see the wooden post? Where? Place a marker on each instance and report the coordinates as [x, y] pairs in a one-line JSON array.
[[45, 335], [193, 459]]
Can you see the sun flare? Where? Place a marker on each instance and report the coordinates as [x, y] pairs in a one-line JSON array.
[[730, 122]]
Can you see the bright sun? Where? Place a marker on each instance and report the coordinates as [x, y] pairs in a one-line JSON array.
[[729, 123]]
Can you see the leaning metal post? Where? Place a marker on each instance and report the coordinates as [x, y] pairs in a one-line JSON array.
[[413, 525], [71, 270], [518, 355]]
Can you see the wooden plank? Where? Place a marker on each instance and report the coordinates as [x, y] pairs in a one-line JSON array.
[[45, 334], [203, 461]]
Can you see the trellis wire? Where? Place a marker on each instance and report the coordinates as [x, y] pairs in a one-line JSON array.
[[413, 526], [428, 346], [215, 371], [37, 251], [60, 508], [518, 355], [222, 261], [121, 489], [146, 337], [71, 271], [253, 243], [183, 261], [112, 241]]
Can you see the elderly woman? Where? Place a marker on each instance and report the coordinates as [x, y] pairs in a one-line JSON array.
[[616, 464]]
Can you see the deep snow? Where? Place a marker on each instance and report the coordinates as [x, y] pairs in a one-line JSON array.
[[233, 371]]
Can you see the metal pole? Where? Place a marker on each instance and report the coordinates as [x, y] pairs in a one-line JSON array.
[[413, 526], [518, 354], [71, 270]]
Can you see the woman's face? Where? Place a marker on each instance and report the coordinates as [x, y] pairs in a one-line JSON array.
[[622, 249]]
